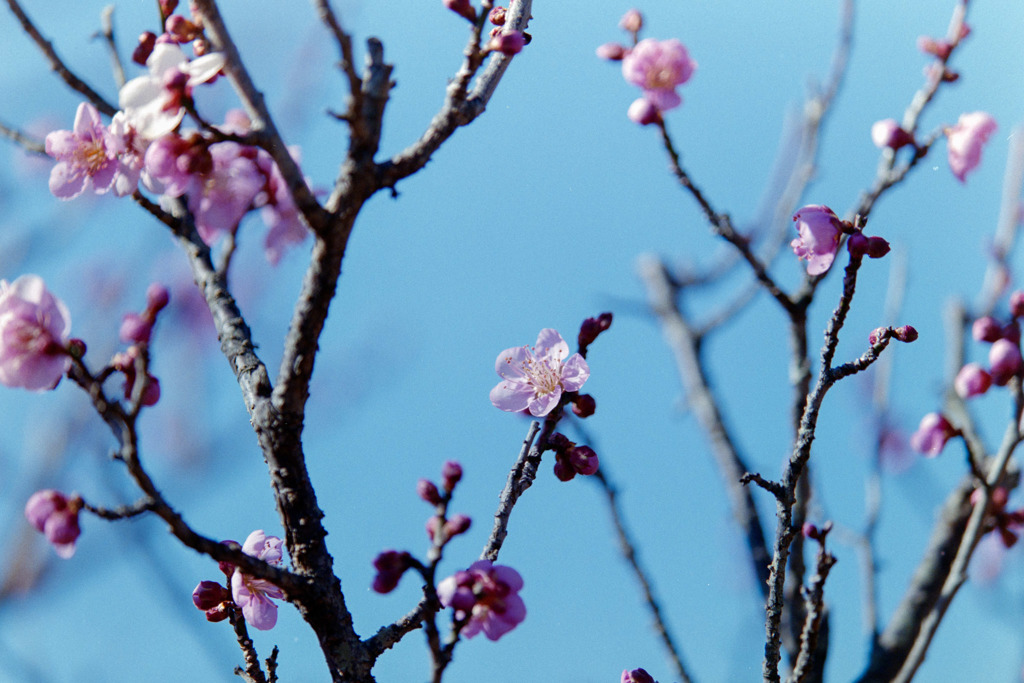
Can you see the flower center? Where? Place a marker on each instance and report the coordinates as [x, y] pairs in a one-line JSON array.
[[543, 377]]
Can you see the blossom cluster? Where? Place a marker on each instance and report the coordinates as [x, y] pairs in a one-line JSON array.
[[220, 178], [657, 67], [486, 596], [254, 597]]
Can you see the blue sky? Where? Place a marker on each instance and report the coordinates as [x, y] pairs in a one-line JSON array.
[[532, 217]]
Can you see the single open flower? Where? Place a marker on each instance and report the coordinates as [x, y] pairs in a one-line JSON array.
[[658, 66], [820, 230], [34, 328], [86, 155], [254, 595], [965, 140], [488, 594], [533, 378]]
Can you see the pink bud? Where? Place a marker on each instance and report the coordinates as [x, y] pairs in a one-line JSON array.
[[931, 46], [612, 51], [180, 28], [584, 405], [461, 7], [135, 329], [1004, 361], [986, 329], [209, 594], [1017, 300], [456, 524], [972, 380], [1011, 331], [147, 41], [508, 43], [497, 16], [157, 297], [427, 490], [905, 334], [584, 460], [451, 474], [563, 470], [877, 247], [888, 133], [932, 434], [632, 21], [642, 111], [878, 334]]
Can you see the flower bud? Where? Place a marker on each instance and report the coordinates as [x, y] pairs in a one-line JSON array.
[[456, 524], [1017, 299], [632, 21], [1004, 361], [584, 405], [180, 28], [157, 297], [461, 7], [390, 566], [972, 380], [508, 43], [888, 133], [637, 676], [591, 328], [427, 490], [497, 16], [857, 245], [931, 46], [932, 434], [135, 329], [209, 594], [612, 51], [147, 41], [451, 474], [643, 112], [905, 333], [986, 329], [878, 334], [1011, 332], [584, 460], [877, 247], [563, 470]]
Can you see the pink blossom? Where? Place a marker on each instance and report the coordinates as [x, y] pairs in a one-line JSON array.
[[254, 595], [658, 66], [965, 140], [153, 103], [86, 156], [932, 434], [972, 380], [612, 51], [219, 199], [820, 230], [488, 595], [632, 21], [34, 328], [278, 210], [533, 378], [56, 516]]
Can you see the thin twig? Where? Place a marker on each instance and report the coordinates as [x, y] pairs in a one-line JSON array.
[[107, 33], [27, 143], [56, 64]]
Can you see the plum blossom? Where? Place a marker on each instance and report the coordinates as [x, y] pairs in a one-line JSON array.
[[221, 198], [658, 66], [254, 595], [820, 230], [932, 434], [34, 328], [56, 516], [488, 594], [533, 378], [86, 155], [972, 380], [888, 133], [153, 103], [965, 140]]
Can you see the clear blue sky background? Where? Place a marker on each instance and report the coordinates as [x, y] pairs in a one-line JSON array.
[[530, 218]]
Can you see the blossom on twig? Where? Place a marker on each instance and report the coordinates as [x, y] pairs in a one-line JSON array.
[[533, 378], [34, 328], [252, 595], [488, 594], [965, 141]]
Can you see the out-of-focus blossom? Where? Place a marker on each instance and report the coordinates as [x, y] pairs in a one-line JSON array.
[[1004, 361], [278, 210], [965, 140], [488, 594], [931, 46], [986, 329], [819, 230], [533, 378], [56, 516], [34, 328], [451, 474], [461, 7], [972, 380], [153, 104], [888, 133], [86, 155], [220, 199], [255, 596], [1017, 304], [932, 434], [658, 67]]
